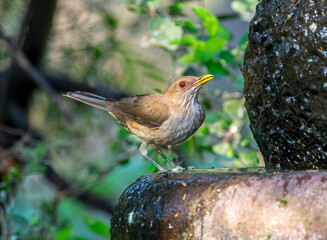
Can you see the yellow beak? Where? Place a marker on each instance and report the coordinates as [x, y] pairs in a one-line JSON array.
[[204, 79]]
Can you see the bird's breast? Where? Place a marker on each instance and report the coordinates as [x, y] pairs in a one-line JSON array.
[[182, 124]]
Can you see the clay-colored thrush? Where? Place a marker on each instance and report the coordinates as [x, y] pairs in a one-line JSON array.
[[158, 119]]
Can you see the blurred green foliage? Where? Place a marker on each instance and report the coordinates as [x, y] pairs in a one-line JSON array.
[[225, 136], [97, 226], [97, 154]]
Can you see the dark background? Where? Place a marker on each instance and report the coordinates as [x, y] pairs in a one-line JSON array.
[[63, 165]]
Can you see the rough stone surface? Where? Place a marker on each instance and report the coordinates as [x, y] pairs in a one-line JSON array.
[[211, 205], [285, 71]]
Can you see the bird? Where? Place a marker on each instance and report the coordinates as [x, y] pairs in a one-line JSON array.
[[159, 119]]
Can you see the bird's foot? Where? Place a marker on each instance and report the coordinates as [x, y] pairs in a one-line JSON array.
[[161, 169], [177, 169]]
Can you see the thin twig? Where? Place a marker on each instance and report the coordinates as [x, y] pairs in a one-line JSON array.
[[26, 65], [16, 149], [12, 131]]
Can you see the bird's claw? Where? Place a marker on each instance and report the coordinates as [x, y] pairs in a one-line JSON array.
[[177, 169]]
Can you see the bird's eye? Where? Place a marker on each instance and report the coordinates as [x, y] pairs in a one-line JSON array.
[[182, 84]]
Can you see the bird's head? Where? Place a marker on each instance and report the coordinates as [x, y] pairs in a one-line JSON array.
[[187, 87]]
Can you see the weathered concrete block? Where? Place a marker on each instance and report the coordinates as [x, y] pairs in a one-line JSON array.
[[212, 205], [285, 72]]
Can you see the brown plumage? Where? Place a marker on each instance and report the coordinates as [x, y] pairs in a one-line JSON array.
[[158, 119]]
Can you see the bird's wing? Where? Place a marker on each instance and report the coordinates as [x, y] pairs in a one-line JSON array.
[[148, 110]]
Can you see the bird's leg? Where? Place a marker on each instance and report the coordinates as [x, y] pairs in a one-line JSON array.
[[155, 147], [144, 152], [178, 161], [176, 158]]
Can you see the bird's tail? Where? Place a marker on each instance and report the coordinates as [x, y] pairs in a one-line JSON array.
[[89, 99]]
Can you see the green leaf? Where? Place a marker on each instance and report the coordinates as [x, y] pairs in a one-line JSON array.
[[164, 32], [214, 117], [246, 159], [176, 8], [212, 47], [110, 21], [216, 68], [202, 13], [175, 42], [63, 234], [34, 220], [244, 142], [37, 167], [122, 132], [203, 51], [97, 53], [211, 25], [97, 226], [221, 148], [151, 168], [205, 148], [190, 26], [204, 131], [157, 90], [253, 157], [223, 33], [206, 104], [199, 48], [36, 153], [210, 21], [230, 152], [153, 3], [188, 39], [243, 41], [15, 172], [226, 56], [234, 108], [188, 58]]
